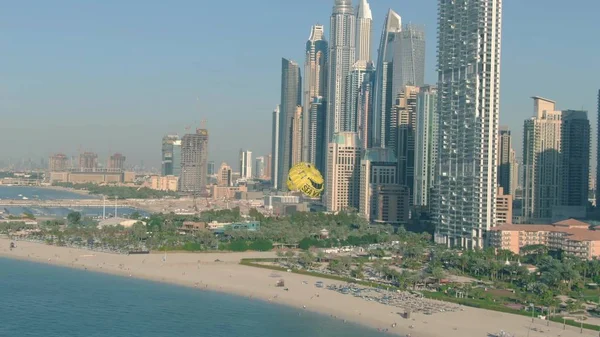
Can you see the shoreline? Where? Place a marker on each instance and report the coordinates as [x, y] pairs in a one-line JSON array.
[[203, 272]]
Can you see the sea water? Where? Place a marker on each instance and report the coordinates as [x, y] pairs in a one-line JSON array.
[[43, 300]]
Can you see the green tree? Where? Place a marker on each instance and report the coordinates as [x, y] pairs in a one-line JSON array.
[[74, 218]]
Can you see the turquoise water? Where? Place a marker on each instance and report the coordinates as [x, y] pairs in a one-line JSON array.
[[49, 301], [12, 192]]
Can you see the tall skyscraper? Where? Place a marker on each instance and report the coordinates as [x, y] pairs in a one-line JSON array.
[[296, 137], [88, 161], [194, 162], [268, 166], [259, 167], [211, 168], [318, 130], [274, 168], [598, 153], [505, 160], [315, 95], [426, 145], [377, 167], [541, 161], [365, 110], [364, 30], [171, 156], [409, 58], [468, 104], [405, 112], [343, 172], [382, 95], [291, 88], [245, 164], [515, 182], [341, 58], [116, 162], [358, 78], [575, 156], [225, 176], [58, 163]]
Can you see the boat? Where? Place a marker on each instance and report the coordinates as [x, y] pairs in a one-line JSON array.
[[25, 198], [20, 195]]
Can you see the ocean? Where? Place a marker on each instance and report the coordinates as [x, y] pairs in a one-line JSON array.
[[32, 193], [49, 301]]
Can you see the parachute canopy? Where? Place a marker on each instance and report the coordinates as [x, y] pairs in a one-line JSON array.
[[305, 178]]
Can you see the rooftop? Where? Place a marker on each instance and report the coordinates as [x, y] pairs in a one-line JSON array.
[[577, 230]]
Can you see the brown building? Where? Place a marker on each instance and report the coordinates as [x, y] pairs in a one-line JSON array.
[[268, 163], [88, 161], [225, 176], [571, 236], [94, 177], [58, 163], [116, 162], [390, 204], [503, 207], [164, 183]]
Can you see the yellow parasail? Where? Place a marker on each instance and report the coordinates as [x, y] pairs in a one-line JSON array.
[[305, 177]]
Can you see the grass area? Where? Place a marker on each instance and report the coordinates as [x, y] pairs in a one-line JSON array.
[[469, 302]]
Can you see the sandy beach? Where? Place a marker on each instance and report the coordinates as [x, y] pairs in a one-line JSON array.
[[202, 272]]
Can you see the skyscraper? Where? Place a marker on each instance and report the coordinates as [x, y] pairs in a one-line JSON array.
[[359, 76], [468, 104], [274, 168], [405, 112], [377, 167], [341, 58], [575, 156], [194, 162], [171, 155], [245, 164], [225, 176], [382, 95], [504, 160], [409, 58], [291, 87], [88, 161], [296, 137], [364, 30], [58, 163], [426, 145], [259, 167], [365, 110], [211, 168], [318, 129], [598, 152], [343, 172], [315, 95], [268, 166], [116, 162], [541, 161]]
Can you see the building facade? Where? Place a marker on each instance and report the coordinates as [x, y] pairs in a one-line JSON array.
[[409, 58], [364, 31], [211, 168], [575, 157], [58, 163], [194, 162], [88, 162], [259, 168], [296, 156], [291, 88], [405, 117], [171, 155], [503, 207], [597, 152], [390, 204], [426, 145], [246, 164], [274, 167], [505, 158], [116, 162], [358, 78], [343, 173], [469, 35], [377, 167], [225, 176]]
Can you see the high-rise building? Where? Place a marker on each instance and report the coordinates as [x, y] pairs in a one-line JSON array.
[[505, 159], [259, 167], [171, 156], [341, 58], [58, 163], [409, 58], [390, 204], [315, 95], [291, 87], [245, 164], [514, 174], [541, 161], [382, 95], [225, 176], [296, 156], [211, 168], [405, 112], [268, 166], [359, 77], [575, 156], [364, 30], [116, 162], [426, 145], [274, 167], [469, 35], [503, 207], [194, 162], [598, 152], [88, 161], [343, 172], [377, 167], [365, 110]]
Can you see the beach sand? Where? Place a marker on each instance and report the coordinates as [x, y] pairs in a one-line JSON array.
[[202, 272]]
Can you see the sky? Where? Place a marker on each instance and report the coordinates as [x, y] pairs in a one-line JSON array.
[[115, 76]]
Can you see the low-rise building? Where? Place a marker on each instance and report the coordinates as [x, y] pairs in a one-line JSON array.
[[164, 183], [189, 227], [572, 236], [220, 228]]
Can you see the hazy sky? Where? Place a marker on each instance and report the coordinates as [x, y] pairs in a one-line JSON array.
[[116, 75]]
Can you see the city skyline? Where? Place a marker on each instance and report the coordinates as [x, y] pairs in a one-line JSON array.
[[89, 95]]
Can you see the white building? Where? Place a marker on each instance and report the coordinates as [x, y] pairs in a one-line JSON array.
[[426, 144], [245, 164], [364, 30], [469, 101], [377, 167], [343, 172]]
